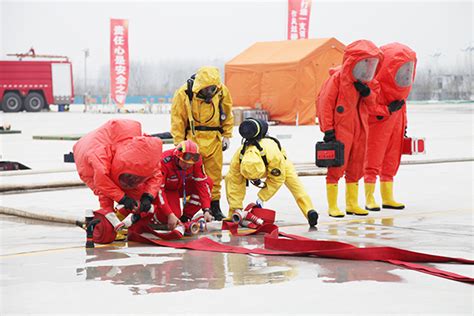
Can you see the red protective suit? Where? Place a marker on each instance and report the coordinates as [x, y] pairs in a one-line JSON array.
[[117, 148], [386, 132], [341, 108], [177, 183]]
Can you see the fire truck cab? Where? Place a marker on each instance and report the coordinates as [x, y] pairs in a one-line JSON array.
[[34, 85]]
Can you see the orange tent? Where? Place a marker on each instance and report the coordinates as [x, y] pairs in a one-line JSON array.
[[284, 77]]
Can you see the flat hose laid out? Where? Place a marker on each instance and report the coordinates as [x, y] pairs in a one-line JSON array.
[[302, 169], [297, 165], [294, 245], [41, 217]]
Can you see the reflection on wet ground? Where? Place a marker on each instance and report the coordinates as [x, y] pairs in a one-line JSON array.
[[415, 233], [210, 270], [184, 271], [145, 269], [146, 272]]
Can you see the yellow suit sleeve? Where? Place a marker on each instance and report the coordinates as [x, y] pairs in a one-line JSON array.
[[228, 123], [235, 184], [276, 172], [179, 116]]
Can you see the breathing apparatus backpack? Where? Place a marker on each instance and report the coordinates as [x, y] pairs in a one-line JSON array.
[[191, 118], [252, 131]]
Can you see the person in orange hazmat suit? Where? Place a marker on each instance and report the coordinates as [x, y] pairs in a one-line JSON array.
[[387, 127], [119, 164], [342, 112]]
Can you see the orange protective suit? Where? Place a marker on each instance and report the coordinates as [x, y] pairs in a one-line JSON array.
[[115, 149], [341, 108], [385, 139]]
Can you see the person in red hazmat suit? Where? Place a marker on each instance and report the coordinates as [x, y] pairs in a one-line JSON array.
[[387, 127], [202, 112], [184, 178], [119, 164], [341, 108]]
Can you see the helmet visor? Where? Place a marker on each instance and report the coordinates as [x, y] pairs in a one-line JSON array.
[[130, 181], [404, 76], [190, 157], [364, 70]]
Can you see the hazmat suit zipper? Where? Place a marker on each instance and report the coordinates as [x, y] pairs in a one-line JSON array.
[[358, 114], [183, 174]]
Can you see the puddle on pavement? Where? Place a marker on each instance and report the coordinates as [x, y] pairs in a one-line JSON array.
[[184, 271], [172, 270]]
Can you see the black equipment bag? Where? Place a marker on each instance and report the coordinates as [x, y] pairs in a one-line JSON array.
[[329, 154], [69, 157]]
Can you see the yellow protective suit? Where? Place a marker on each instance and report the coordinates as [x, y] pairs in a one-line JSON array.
[[201, 114], [278, 171]]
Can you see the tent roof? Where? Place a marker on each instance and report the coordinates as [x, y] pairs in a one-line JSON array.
[[281, 51]]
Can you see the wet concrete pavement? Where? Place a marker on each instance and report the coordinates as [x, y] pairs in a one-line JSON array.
[[46, 269]]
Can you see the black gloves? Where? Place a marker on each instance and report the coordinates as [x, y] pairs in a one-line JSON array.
[[329, 136], [128, 202], [184, 219], [362, 88], [145, 202], [395, 105]]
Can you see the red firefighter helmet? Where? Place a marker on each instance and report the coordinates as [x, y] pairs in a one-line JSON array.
[[187, 151]]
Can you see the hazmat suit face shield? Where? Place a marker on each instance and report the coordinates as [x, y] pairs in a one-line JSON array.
[[129, 181], [364, 70], [404, 76], [207, 93]]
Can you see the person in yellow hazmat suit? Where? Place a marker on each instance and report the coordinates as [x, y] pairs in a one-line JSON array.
[[262, 162], [202, 112]]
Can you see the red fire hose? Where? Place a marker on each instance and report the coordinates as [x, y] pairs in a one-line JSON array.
[[280, 243]]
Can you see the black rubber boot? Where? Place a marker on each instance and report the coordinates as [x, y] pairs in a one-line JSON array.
[[313, 218], [216, 211]]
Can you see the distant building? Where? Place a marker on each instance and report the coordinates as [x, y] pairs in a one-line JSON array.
[[451, 87]]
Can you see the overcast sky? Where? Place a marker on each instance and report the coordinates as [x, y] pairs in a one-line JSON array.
[[209, 30]]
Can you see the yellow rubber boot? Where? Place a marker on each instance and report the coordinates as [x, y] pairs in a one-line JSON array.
[[370, 204], [386, 189], [352, 200], [121, 235], [333, 210]]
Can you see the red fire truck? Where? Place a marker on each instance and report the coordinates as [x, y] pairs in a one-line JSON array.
[[34, 85]]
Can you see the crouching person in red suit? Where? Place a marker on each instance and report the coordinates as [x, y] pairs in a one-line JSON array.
[[183, 178], [119, 164]]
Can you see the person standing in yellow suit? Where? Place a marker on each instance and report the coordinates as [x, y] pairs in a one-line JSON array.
[[202, 112], [261, 157]]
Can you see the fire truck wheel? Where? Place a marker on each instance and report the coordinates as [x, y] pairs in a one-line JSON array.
[[12, 102], [34, 102]]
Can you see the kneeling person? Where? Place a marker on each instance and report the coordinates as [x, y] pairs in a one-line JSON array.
[[183, 178], [261, 157]]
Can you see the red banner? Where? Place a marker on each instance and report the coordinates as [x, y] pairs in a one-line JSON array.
[[119, 66], [298, 18]]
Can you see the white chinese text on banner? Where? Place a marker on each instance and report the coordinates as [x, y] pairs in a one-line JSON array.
[[119, 65], [298, 18]]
